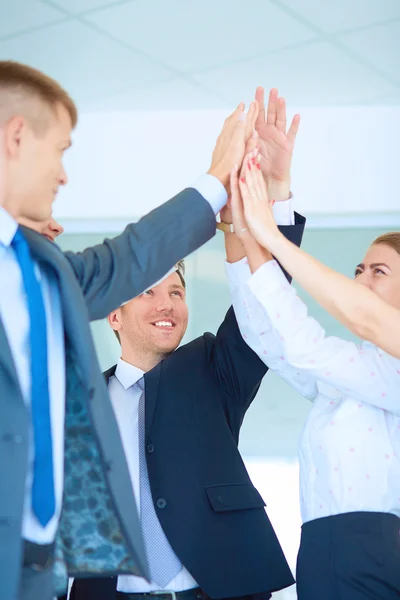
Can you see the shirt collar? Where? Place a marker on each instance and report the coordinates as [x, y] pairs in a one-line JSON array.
[[8, 227], [127, 374]]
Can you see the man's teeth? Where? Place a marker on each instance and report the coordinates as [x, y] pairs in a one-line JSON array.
[[163, 324]]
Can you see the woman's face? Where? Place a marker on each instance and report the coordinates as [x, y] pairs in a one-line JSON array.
[[380, 272]]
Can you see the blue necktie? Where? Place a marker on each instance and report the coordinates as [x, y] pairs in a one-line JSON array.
[[43, 499]]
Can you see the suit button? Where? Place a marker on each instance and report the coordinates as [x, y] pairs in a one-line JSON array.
[[91, 393], [150, 448], [161, 503]]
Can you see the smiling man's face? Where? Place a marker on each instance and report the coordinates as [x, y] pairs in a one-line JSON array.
[[155, 322]]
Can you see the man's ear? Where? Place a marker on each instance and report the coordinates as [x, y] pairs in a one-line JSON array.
[[14, 132], [114, 319]]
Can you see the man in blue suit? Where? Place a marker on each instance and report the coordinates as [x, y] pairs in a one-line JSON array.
[[65, 505]]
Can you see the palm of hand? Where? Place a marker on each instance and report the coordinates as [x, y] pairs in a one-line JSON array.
[[260, 220], [276, 151], [256, 222]]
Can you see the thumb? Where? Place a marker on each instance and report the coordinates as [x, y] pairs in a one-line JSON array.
[[238, 140], [238, 219], [235, 193]]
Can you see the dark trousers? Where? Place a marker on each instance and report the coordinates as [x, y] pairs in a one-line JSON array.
[[36, 585], [353, 556], [105, 589]]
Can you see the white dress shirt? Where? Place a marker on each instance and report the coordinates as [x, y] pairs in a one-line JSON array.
[[350, 445], [15, 317], [125, 400]]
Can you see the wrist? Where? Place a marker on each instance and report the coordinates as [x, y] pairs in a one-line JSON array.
[[275, 242], [279, 190], [221, 174], [250, 244], [227, 219], [227, 228]]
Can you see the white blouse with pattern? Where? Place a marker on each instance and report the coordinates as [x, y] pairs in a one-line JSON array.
[[350, 445]]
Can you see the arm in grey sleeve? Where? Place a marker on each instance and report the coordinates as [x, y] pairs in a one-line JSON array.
[[121, 268]]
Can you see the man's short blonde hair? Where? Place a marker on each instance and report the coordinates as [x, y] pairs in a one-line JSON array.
[[25, 91]]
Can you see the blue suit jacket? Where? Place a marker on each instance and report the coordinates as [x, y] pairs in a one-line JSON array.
[[99, 530], [213, 516]]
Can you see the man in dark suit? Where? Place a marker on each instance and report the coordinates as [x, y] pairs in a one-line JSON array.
[[59, 442], [195, 401], [179, 412]]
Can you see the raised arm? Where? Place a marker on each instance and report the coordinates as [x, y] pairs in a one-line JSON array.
[[121, 268], [258, 333], [363, 372], [237, 365], [357, 307]]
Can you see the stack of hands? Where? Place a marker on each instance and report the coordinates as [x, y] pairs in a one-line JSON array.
[[252, 159]]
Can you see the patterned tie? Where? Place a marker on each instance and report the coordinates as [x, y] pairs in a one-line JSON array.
[[164, 565], [43, 499]]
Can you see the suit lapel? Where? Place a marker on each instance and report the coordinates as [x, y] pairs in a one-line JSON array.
[[73, 305], [152, 382], [109, 373], [7, 360]]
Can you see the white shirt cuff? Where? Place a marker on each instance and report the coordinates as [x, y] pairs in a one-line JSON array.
[[283, 212], [238, 273], [212, 190]]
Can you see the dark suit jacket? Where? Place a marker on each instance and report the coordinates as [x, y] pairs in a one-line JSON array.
[[213, 516], [98, 505]]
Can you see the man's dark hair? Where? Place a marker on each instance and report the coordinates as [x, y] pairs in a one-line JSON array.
[[180, 270]]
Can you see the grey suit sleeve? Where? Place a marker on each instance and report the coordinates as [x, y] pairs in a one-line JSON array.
[[121, 268]]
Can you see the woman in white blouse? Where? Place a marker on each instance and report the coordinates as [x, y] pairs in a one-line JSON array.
[[350, 445], [369, 315]]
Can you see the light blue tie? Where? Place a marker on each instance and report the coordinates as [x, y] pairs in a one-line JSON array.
[[164, 565], [43, 499]]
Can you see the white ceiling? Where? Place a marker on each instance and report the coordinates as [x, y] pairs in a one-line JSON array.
[[136, 54]]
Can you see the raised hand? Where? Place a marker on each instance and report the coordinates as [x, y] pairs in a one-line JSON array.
[[276, 146], [231, 143], [257, 208], [226, 212], [236, 206]]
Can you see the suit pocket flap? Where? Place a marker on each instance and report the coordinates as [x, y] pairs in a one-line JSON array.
[[234, 497]]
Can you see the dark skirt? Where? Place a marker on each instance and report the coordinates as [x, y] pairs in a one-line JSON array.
[[353, 556]]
